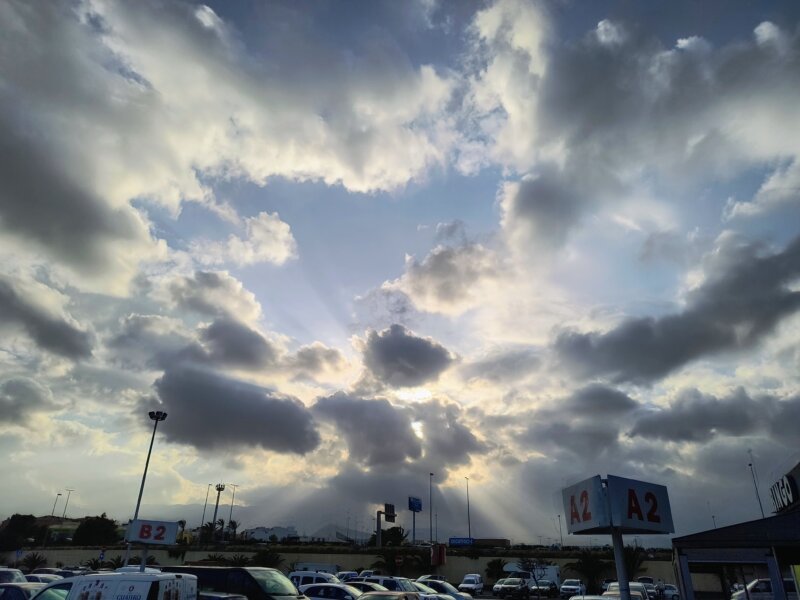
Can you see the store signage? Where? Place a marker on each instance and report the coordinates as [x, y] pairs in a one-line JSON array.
[[460, 541], [585, 506], [152, 532], [639, 506], [784, 493]]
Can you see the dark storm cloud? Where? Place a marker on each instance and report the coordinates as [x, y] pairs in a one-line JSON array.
[[151, 341], [733, 310], [20, 397], [399, 358], [601, 401], [50, 333], [233, 344], [315, 358], [377, 432], [211, 412], [445, 436], [506, 366], [697, 417], [212, 293]]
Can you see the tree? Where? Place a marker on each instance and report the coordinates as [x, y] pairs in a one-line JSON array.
[[394, 560], [216, 558], [18, 529], [207, 531], [137, 560], [591, 567], [394, 536], [232, 527], [93, 564], [114, 563], [96, 531], [495, 570], [239, 560], [33, 560], [633, 557], [273, 538], [267, 558], [181, 537]]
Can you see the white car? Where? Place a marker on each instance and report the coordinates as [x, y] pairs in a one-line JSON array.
[[761, 589], [472, 584], [670, 592], [572, 587], [497, 585], [330, 591]]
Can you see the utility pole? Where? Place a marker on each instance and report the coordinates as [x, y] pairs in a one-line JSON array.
[[230, 515], [560, 535], [430, 503]]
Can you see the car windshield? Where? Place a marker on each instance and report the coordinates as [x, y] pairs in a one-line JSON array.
[[274, 582], [449, 589], [513, 581], [571, 582], [425, 589], [501, 581], [11, 576], [543, 582], [405, 585]]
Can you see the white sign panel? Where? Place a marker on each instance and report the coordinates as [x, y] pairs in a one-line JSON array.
[[638, 506], [152, 532], [585, 507]]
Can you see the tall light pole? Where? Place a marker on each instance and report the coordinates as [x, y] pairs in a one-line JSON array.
[[430, 503], [230, 515], [69, 493], [220, 487], [156, 416], [53, 512], [755, 480], [560, 535], [203, 519], [469, 524]]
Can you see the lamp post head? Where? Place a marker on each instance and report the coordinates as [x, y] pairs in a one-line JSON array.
[[157, 415], [220, 487]]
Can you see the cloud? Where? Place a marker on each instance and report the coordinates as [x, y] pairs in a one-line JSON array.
[[233, 344], [696, 417], [149, 341], [446, 438], [20, 397], [600, 401], [745, 295], [377, 433], [212, 412], [399, 358], [211, 293], [449, 280], [314, 359], [50, 331], [268, 240], [505, 366]]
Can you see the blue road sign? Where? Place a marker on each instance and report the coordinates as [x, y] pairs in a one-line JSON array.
[[414, 504], [454, 542]]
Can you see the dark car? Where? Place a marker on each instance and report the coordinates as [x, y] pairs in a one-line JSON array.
[[544, 588], [389, 596], [514, 587], [219, 596], [256, 583], [19, 591]]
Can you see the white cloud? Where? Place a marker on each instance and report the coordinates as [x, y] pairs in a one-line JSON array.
[[267, 239]]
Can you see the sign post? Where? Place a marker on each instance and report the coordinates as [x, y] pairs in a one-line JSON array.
[[415, 506], [617, 505], [160, 533]]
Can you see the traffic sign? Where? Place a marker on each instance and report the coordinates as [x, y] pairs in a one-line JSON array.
[[414, 504], [388, 513], [455, 542], [161, 533]]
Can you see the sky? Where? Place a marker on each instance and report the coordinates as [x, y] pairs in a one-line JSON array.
[[345, 245]]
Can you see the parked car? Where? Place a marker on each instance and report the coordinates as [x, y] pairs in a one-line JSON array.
[[635, 594], [366, 586], [399, 584], [11, 576], [670, 592], [429, 592], [46, 571], [257, 583], [585, 597], [544, 588], [572, 587], [345, 575], [514, 587], [433, 577], [390, 596], [472, 583], [110, 586], [497, 585], [211, 595], [42, 578], [761, 589], [605, 583], [635, 586], [330, 591], [646, 579], [19, 591], [301, 578], [652, 592], [443, 587]]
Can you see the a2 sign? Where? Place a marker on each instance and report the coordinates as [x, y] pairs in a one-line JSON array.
[[631, 505]]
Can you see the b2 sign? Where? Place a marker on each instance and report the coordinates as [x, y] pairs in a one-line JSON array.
[[152, 532], [585, 506], [638, 506]]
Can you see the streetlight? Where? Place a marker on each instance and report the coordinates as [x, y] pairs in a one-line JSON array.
[[69, 493], [469, 525], [53, 512], [755, 485], [157, 416], [219, 487], [430, 502], [230, 515], [203, 519]]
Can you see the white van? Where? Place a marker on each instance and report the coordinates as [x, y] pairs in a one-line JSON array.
[[308, 577], [122, 586], [472, 584]]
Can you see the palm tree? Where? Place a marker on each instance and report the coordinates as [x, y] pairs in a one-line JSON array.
[[634, 557], [494, 569], [267, 558], [591, 567], [93, 564], [33, 560], [182, 525], [239, 560], [207, 531], [232, 527], [137, 560], [114, 563]]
